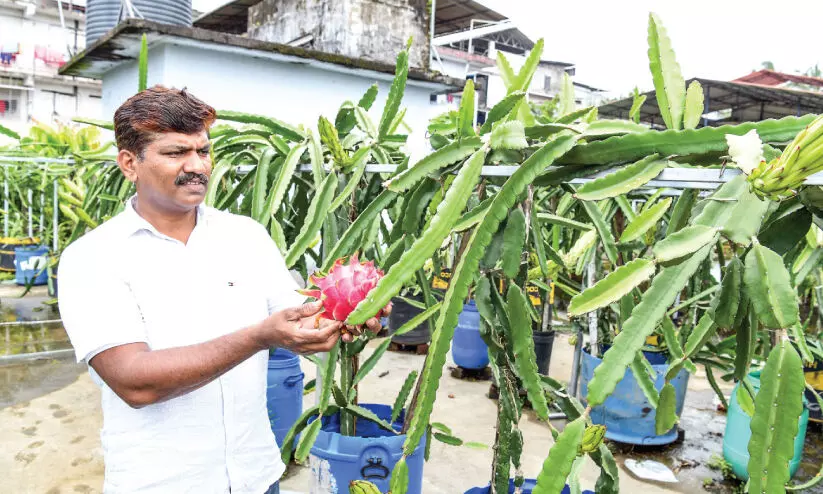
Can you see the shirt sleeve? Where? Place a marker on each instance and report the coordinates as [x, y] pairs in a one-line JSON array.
[[278, 283], [97, 307]]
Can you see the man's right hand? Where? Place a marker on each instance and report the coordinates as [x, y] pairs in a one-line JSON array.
[[295, 329]]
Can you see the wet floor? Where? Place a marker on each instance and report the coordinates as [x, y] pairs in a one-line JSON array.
[[24, 380]]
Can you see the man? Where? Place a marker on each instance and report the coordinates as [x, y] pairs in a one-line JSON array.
[[174, 305]]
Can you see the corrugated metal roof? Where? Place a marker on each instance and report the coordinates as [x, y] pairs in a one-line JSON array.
[[742, 102]]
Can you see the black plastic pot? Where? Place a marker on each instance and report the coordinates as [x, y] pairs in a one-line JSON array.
[[543, 344], [401, 313]]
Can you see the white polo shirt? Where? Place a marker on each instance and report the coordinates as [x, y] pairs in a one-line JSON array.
[[125, 282]]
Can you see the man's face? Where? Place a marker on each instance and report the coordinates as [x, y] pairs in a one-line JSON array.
[[174, 172]]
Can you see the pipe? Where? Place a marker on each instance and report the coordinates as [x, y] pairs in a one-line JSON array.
[[7, 359]]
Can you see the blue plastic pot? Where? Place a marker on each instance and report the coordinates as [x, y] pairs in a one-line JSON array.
[[528, 485], [737, 435], [284, 392], [627, 414], [336, 460], [468, 348], [31, 263]]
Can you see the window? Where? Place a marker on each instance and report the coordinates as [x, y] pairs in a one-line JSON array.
[[8, 107], [547, 83]]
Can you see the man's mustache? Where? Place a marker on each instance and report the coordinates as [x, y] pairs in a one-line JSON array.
[[197, 178]]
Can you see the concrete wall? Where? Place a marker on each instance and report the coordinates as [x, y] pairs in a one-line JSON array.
[[368, 29], [292, 92]]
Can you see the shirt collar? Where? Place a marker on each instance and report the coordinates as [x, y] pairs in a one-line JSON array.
[[135, 223]]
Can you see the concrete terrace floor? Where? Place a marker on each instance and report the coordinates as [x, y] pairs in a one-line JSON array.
[[50, 421]]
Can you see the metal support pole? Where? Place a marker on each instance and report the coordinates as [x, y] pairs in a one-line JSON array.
[[432, 16], [6, 201], [29, 195], [708, 105], [595, 348], [42, 215], [55, 241], [578, 352]]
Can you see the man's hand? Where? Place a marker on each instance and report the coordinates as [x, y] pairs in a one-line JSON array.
[[373, 325], [300, 330]]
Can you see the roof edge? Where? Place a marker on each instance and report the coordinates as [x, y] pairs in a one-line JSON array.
[[106, 45]]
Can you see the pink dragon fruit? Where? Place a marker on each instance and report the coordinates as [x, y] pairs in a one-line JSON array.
[[344, 287]]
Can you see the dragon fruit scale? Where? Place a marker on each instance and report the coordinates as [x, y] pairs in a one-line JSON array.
[[344, 287]]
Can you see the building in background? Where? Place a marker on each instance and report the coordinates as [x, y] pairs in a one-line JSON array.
[[36, 39], [467, 37]]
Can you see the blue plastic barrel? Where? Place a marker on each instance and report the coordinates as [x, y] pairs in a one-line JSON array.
[[737, 435], [626, 413], [336, 460], [30, 263], [468, 348], [284, 392], [528, 486]]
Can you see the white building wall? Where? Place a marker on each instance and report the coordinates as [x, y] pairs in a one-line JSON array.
[[292, 92]]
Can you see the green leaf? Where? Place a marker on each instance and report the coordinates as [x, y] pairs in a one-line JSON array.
[[701, 334], [403, 395], [358, 163], [450, 440], [328, 378], [644, 380], [523, 346], [417, 204], [782, 233], [509, 135], [608, 482], [447, 155], [624, 206], [287, 447], [611, 288], [364, 122], [370, 362], [524, 77], [769, 287], [314, 220], [682, 211], [413, 259], [726, 303], [261, 186], [476, 445], [395, 97], [465, 117], [465, 273], [694, 106], [561, 221], [143, 65], [735, 209], [603, 230], [14, 135], [366, 414], [670, 88], [307, 441], [746, 328], [417, 320], [637, 104], [634, 146], [645, 220], [284, 180], [348, 241], [798, 336], [666, 416], [566, 104], [330, 139], [217, 175], [558, 464], [744, 399], [281, 128], [316, 158], [399, 482], [671, 339], [684, 242], [777, 409], [506, 71], [514, 238], [339, 397], [502, 109], [623, 180], [651, 309]]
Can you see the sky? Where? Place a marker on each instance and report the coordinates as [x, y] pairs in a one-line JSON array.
[[715, 39]]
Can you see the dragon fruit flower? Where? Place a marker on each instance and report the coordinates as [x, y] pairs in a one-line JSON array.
[[344, 287]]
